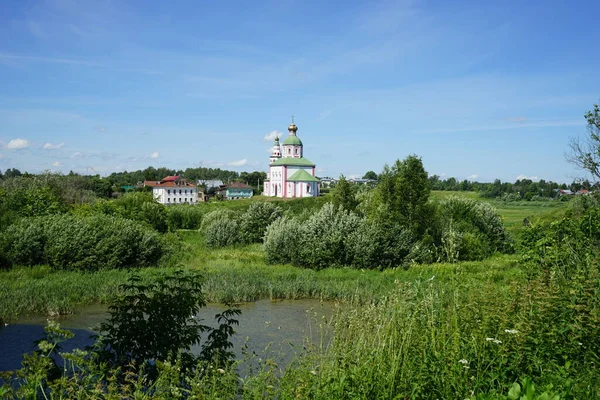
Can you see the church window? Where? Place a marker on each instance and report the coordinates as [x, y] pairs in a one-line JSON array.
[[296, 151]]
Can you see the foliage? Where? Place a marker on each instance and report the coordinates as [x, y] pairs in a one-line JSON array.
[[89, 243], [280, 241], [184, 217], [223, 232], [402, 194], [151, 321], [585, 153], [343, 195], [471, 229], [370, 175], [254, 222]]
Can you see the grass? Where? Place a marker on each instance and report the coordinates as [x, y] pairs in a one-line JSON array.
[[513, 213]]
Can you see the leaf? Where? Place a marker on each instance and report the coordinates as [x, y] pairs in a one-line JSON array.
[[514, 392]]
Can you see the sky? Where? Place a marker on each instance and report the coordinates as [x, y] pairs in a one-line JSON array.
[[479, 89]]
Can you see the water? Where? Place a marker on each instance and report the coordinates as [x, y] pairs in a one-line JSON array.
[[274, 329]]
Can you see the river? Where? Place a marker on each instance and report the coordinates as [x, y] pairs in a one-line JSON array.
[[273, 329]]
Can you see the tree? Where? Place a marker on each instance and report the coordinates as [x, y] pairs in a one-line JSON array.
[[343, 195], [585, 153], [402, 193], [370, 175]]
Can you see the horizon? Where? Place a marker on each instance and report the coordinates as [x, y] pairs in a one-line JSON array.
[[478, 91]]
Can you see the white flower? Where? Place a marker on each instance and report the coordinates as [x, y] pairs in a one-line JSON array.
[[463, 361], [579, 343], [511, 331], [491, 339], [220, 370]]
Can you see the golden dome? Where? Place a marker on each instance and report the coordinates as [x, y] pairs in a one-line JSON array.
[[292, 127]]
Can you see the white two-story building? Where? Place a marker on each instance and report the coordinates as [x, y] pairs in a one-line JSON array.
[[173, 190]]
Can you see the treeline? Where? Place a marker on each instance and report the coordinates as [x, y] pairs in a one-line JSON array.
[[521, 189], [104, 187]]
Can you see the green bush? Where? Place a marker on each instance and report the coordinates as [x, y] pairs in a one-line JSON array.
[[222, 232], [216, 215], [90, 243], [184, 217], [373, 245], [280, 242], [254, 222], [470, 229]]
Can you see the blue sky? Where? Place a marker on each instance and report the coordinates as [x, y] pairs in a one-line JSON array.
[[480, 90]]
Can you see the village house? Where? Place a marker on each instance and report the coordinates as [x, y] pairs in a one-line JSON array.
[[236, 190], [173, 190]]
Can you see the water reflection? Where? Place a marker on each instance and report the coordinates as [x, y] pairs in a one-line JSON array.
[[274, 329]]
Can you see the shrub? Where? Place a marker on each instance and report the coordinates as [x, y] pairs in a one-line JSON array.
[[184, 217], [471, 230], [254, 222], [222, 232], [216, 215], [90, 243], [373, 245], [280, 241]]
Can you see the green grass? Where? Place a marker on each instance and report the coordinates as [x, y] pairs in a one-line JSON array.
[[513, 213], [235, 274]]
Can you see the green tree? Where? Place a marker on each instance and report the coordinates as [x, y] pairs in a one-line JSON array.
[[402, 193], [370, 175], [343, 195], [585, 153]]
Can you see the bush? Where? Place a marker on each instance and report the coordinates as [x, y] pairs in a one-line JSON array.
[[90, 243], [471, 230], [216, 215], [373, 245], [318, 242], [184, 217], [280, 241], [222, 232], [254, 222]]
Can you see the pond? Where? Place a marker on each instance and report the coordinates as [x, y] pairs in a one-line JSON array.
[[273, 329]]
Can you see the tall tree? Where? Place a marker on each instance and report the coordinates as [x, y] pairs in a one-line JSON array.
[[343, 195], [585, 153], [402, 193], [370, 175]]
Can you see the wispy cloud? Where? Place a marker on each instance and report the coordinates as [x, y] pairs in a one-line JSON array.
[[154, 155], [271, 136], [51, 146], [239, 163], [516, 119], [77, 155], [483, 128], [18, 144], [472, 177], [57, 164]]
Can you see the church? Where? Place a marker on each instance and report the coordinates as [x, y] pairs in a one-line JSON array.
[[290, 174]]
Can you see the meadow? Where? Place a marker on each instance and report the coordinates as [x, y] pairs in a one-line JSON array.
[[483, 329]]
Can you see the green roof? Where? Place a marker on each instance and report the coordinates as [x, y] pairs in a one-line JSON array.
[[302, 176], [292, 140], [292, 161]]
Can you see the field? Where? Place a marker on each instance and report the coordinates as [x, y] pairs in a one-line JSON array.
[[240, 273]]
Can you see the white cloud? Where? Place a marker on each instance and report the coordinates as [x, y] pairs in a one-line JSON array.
[[269, 137], [472, 177], [239, 163], [77, 154], [57, 164], [50, 146], [523, 176], [18, 144], [154, 155]]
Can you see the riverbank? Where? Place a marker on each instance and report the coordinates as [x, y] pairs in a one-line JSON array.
[[234, 275]]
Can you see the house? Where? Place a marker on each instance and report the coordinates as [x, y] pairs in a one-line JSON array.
[[173, 190], [236, 190], [290, 173], [210, 183]]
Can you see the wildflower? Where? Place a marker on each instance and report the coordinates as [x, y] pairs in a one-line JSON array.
[[491, 339], [313, 372], [511, 331], [463, 361], [579, 343], [430, 279], [220, 370]]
